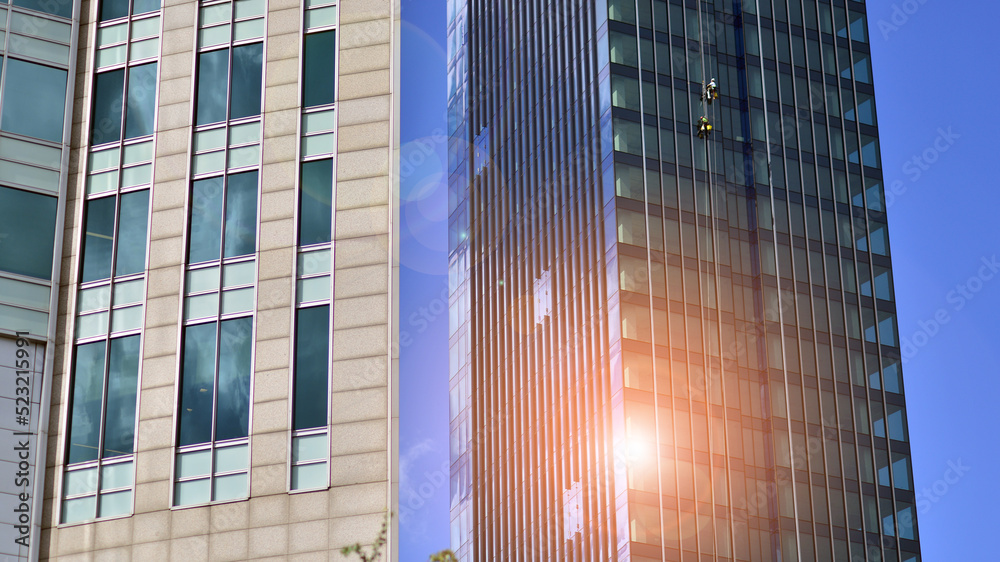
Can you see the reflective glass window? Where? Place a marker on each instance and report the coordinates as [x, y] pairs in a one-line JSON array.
[[214, 90], [233, 410], [134, 217], [34, 100], [246, 87], [114, 9], [312, 353], [622, 10], [206, 220], [27, 232], [62, 8], [319, 69], [624, 49], [197, 384], [866, 108], [241, 214], [85, 410], [859, 28], [236, 227], [897, 423], [625, 92], [200, 386], [141, 101], [862, 67], [123, 375], [213, 72], [315, 207], [901, 471], [98, 244], [106, 118]]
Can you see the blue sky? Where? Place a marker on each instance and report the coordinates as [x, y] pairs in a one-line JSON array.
[[935, 70], [424, 494]]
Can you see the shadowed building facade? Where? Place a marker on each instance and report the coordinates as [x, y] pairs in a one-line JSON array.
[[198, 246], [666, 347]]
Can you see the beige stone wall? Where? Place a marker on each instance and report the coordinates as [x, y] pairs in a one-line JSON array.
[[272, 523]]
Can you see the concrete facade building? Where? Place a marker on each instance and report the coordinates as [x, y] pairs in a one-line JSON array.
[[214, 352]]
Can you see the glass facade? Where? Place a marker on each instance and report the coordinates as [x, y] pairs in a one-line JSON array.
[[677, 347], [23, 112], [28, 226]]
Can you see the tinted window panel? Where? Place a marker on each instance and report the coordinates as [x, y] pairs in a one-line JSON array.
[[123, 373], [213, 70], [241, 214], [85, 417], [133, 219], [141, 101], [27, 232], [113, 9], [316, 202], [320, 69], [197, 384], [232, 419], [106, 121], [99, 239], [62, 8], [247, 83], [34, 99], [312, 353], [206, 220]]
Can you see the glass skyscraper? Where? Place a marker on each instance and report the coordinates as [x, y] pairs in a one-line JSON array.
[[665, 345], [198, 277]]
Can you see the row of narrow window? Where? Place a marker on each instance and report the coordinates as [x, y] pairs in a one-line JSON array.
[[831, 18], [213, 407], [32, 105]]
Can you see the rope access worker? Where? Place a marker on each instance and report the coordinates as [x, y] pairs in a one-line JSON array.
[[704, 127], [712, 91]]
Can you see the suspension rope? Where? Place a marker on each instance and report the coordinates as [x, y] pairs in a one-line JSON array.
[[710, 146]]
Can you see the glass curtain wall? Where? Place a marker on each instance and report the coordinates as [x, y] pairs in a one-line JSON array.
[[530, 439], [744, 396], [748, 260]]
